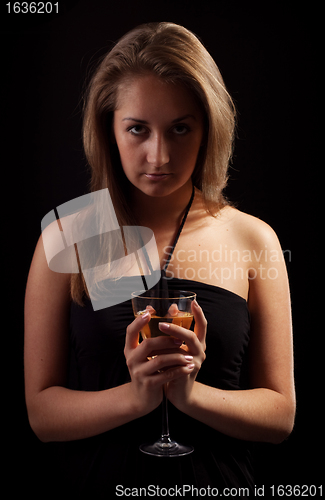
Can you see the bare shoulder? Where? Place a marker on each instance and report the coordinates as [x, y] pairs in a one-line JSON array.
[[49, 278], [253, 233], [43, 282], [267, 274]]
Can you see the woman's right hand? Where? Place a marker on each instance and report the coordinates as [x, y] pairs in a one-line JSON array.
[[148, 376]]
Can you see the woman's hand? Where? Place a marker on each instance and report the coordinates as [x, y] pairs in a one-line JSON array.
[[167, 362], [179, 390]]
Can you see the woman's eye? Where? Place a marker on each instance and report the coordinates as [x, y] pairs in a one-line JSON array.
[[181, 129], [137, 130]]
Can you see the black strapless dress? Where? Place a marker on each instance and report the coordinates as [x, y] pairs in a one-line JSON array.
[[96, 466]]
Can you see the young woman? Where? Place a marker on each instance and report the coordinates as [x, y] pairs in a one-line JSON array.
[[158, 133]]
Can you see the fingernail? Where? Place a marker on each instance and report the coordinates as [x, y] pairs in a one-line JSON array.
[[195, 303], [178, 341], [188, 358], [145, 316], [191, 366], [164, 326]]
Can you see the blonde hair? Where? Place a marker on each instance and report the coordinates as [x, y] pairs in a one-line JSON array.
[[175, 55]]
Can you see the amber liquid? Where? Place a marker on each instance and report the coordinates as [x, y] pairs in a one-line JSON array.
[[151, 329]]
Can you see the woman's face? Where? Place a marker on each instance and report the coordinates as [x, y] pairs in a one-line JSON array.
[[158, 128]]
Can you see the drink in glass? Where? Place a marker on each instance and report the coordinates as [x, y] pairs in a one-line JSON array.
[[169, 307]]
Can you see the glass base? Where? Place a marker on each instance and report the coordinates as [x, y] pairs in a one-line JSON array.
[[166, 447]]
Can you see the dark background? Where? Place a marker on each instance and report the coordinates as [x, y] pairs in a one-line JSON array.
[[267, 55]]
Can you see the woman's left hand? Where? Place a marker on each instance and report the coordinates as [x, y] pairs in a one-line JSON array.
[[180, 390]]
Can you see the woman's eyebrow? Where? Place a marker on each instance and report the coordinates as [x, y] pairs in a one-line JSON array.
[[184, 118], [129, 118], [134, 120]]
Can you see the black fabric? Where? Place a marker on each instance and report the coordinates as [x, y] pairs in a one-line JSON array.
[[98, 465]]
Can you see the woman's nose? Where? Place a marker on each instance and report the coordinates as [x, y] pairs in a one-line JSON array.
[[158, 152]]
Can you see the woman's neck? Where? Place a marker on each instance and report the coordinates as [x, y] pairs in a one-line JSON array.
[[156, 212]]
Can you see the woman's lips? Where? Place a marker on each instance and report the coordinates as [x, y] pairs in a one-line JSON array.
[[156, 177]]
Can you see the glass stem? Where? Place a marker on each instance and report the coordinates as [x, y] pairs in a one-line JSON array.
[[165, 426]]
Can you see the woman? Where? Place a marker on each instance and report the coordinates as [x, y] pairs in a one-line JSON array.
[[158, 132]]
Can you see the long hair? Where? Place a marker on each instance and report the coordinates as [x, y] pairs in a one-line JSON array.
[[175, 55]]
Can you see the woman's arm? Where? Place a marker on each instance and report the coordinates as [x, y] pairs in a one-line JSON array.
[[57, 413], [266, 411]]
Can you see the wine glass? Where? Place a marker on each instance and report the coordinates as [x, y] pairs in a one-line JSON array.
[[168, 306]]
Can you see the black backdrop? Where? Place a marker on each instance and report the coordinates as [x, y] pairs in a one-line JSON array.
[[266, 55]]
